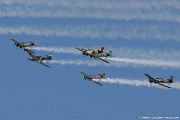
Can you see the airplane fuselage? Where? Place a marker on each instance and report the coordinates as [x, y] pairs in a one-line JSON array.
[[97, 53], [92, 77], [160, 80], [40, 58], [102, 55], [23, 45], [26, 45], [88, 52]]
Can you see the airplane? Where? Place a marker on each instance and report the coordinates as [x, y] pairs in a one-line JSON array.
[[160, 81], [39, 59], [92, 77], [97, 54], [24, 45]]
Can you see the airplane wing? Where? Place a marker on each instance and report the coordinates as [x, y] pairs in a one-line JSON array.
[[14, 41], [85, 75], [100, 59], [26, 49], [80, 49], [103, 60], [98, 83], [151, 78], [29, 52], [83, 51], [164, 85], [42, 63]]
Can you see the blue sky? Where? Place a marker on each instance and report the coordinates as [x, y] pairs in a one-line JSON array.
[[143, 32]]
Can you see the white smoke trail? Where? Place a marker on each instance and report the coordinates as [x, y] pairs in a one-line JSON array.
[[67, 50], [75, 62], [94, 31], [121, 62], [103, 4], [149, 63], [136, 83], [146, 53], [116, 10]]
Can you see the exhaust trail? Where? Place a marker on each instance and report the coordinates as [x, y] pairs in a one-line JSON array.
[[105, 4], [76, 62], [115, 10], [124, 62], [136, 83], [145, 62], [66, 50], [126, 31]]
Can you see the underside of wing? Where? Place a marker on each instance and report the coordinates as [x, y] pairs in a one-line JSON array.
[[79, 49], [98, 83], [150, 78], [103, 60], [26, 49], [44, 64], [14, 41], [85, 75], [100, 59], [84, 51], [164, 85], [30, 53]]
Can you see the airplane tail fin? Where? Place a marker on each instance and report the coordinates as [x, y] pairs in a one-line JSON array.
[[110, 53], [35, 42], [103, 75], [49, 56], [171, 79]]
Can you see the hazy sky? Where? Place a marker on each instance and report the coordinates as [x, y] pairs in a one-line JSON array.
[[143, 36]]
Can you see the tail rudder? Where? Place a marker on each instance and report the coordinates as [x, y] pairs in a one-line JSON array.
[[49, 56], [110, 53], [171, 79], [104, 75], [35, 42]]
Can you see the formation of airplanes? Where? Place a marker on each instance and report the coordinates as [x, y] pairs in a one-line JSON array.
[[38, 59], [96, 54]]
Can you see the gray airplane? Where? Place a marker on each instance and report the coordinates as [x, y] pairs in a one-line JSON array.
[[39, 59], [160, 81], [92, 78]]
